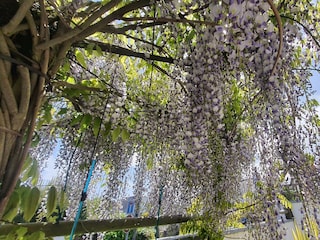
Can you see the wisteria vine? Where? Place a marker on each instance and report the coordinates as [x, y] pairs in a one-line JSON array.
[[236, 97]]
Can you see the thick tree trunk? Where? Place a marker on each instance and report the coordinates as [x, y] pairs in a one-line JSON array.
[[20, 102], [91, 226], [16, 136], [23, 70]]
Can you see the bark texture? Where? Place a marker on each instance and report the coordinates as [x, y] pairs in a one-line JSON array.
[[23, 72]]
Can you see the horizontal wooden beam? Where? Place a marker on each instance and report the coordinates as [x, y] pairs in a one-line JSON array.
[[89, 226]]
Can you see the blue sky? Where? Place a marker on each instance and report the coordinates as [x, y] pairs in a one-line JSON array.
[[315, 81]]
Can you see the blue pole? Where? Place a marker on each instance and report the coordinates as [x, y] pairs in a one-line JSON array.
[[83, 198]]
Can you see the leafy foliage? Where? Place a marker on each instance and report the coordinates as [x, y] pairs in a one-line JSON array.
[[298, 234], [121, 235], [204, 226]]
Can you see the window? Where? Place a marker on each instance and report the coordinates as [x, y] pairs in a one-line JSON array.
[[130, 208]]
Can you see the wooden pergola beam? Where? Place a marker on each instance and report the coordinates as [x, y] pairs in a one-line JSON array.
[[89, 226]]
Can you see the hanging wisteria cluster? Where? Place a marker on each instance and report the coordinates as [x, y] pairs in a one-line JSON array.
[[237, 96]]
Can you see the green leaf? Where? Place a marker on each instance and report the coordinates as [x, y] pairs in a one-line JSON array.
[[31, 204], [51, 200], [18, 183], [21, 231], [313, 226], [35, 177], [284, 201], [80, 58], [66, 66], [12, 207], [63, 111], [96, 125], [35, 139], [85, 82], [85, 122], [47, 115], [33, 170], [27, 163], [125, 135], [191, 35], [24, 192], [36, 235], [89, 48], [149, 163], [107, 129], [313, 103], [71, 80], [75, 120], [62, 200], [98, 51], [298, 234], [115, 134], [11, 235], [107, 168], [104, 2]]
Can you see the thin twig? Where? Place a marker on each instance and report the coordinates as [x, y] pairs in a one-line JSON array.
[[304, 27], [173, 78], [75, 86], [124, 51], [116, 15], [160, 49], [99, 13], [169, 20], [306, 69], [95, 75], [123, 30], [280, 30], [126, 28], [87, 29], [243, 208], [58, 12], [18, 62]]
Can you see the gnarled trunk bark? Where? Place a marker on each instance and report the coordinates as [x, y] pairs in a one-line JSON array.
[[20, 98], [23, 71]]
